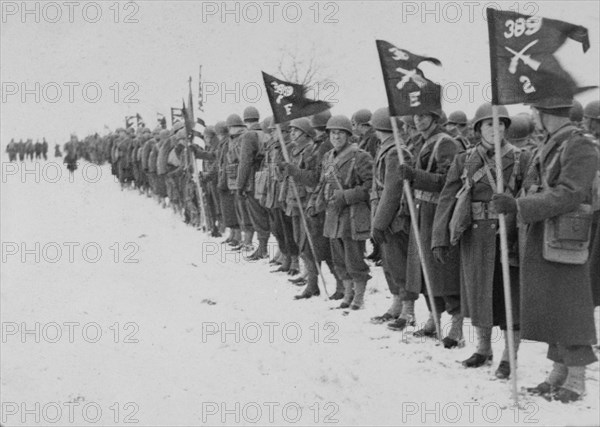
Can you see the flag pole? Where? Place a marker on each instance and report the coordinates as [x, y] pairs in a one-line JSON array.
[[415, 227], [286, 156], [504, 259]]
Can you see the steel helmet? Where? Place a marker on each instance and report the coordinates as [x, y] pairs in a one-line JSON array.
[[164, 134], [319, 120], [340, 122], [592, 110], [443, 119], [209, 131], [485, 112], [251, 113], [529, 119], [266, 124], [234, 120], [362, 116], [520, 127], [304, 125], [381, 120], [285, 126], [458, 117], [576, 113], [221, 128]]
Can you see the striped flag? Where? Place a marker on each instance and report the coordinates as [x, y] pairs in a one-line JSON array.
[[200, 94]]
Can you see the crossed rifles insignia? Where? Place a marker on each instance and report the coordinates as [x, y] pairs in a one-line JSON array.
[[415, 75], [521, 56]]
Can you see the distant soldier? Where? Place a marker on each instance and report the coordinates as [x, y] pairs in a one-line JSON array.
[[369, 142], [228, 212], [274, 200], [304, 168], [252, 152], [71, 156], [37, 149], [176, 171], [12, 149], [236, 129], [390, 227], [482, 296], [556, 296], [45, 149], [21, 150], [427, 178], [30, 149], [344, 185], [361, 125], [164, 148], [457, 127]]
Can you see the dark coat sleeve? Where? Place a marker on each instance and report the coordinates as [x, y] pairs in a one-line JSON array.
[[434, 181], [249, 148], [363, 172], [389, 203], [445, 208], [570, 187]]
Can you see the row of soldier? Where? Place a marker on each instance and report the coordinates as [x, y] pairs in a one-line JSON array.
[[342, 185], [27, 150]]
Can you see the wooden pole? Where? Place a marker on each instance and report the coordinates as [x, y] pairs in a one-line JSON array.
[[286, 156], [504, 259], [415, 228]]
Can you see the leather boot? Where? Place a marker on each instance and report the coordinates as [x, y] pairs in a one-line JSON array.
[[312, 288], [406, 318], [339, 290], [429, 329], [392, 313], [483, 354], [260, 252], [236, 237], [294, 266], [574, 386], [503, 371], [249, 236], [285, 265], [348, 294], [358, 301], [455, 335]]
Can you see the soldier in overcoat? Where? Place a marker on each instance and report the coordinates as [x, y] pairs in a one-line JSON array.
[[556, 297], [427, 179], [482, 292]]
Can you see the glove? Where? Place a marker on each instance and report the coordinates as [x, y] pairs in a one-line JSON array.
[[406, 172], [440, 254], [291, 169], [338, 200], [503, 204], [378, 236]]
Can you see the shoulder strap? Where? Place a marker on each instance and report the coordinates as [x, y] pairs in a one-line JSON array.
[[438, 141]]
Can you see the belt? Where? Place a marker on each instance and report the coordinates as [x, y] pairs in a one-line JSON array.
[[481, 211], [426, 196]]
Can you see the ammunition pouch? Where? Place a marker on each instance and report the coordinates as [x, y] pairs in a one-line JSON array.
[[567, 236]]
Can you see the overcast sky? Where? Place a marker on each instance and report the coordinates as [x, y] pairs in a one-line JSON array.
[[150, 60]]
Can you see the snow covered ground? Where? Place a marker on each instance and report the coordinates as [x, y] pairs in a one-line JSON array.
[[128, 315]]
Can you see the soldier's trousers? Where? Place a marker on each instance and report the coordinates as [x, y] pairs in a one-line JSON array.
[[212, 201], [161, 186], [283, 229], [228, 210], [348, 259], [321, 244], [259, 216], [241, 210], [448, 303], [394, 254]]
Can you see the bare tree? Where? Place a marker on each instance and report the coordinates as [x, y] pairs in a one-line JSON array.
[[306, 68]]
